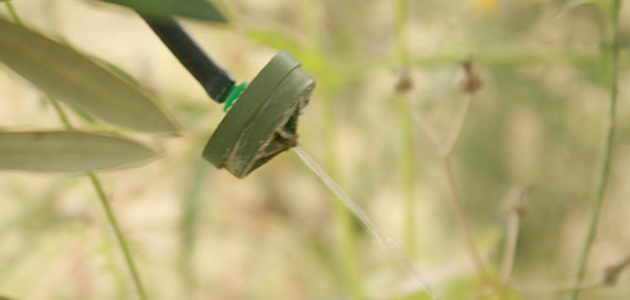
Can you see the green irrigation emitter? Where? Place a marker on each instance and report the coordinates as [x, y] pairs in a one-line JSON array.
[[261, 119]]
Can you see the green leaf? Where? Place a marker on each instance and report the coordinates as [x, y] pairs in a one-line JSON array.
[[570, 5], [196, 9], [69, 76], [68, 151], [118, 71]]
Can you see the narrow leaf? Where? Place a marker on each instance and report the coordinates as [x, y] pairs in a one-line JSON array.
[[573, 4], [67, 151], [69, 76], [197, 9]]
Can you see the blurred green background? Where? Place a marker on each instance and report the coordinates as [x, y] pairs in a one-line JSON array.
[[200, 233]]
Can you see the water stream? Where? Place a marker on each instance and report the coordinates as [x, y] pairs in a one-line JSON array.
[[386, 242]]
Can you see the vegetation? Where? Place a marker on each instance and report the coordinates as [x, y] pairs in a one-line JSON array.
[[486, 137]]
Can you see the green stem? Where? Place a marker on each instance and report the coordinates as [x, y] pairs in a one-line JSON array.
[[13, 13], [62, 115], [406, 160], [490, 56], [192, 208], [108, 210], [602, 179], [97, 185], [344, 224], [400, 32], [119, 236], [507, 56], [407, 174], [312, 26], [343, 218]]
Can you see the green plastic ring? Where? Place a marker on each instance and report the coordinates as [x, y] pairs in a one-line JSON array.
[[233, 95]]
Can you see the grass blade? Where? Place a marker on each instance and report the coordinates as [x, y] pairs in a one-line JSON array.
[[68, 151]]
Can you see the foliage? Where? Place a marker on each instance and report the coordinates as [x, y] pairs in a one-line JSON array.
[[516, 158]]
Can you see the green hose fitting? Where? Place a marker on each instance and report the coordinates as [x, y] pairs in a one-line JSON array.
[[233, 95], [263, 122]]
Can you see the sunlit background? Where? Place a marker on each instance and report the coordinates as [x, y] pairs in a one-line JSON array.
[[200, 233]]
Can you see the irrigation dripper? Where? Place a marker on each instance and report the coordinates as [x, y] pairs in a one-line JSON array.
[[261, 119]]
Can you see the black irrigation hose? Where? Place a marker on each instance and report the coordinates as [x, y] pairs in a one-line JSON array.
[[215, 80]]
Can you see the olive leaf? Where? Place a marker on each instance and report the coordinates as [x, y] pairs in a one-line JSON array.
[[197, 9], [68, 151], [69, 76], [570, 5]]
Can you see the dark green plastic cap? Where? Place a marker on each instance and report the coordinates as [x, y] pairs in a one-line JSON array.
[[263, 121]]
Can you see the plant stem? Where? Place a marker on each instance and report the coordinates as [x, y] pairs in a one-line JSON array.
[[108, 210], [528, 287], [490, 56], [344, 221], [507, 56], [192, 208], [406, 160], [602, 179], [444, 152], [461, 220], [609, 277], [509, 252], [428, 129], [454, 137], [516, 208], [62, 115], [312, 25], [344, 224], [97, 185], [400, 32], [13, 13], [119, 235], [407, 174]]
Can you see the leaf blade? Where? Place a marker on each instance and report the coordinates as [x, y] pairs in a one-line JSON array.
[[68, 151], [196, 9], [69, 76], [570, 5]]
